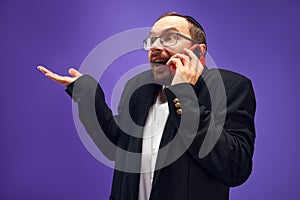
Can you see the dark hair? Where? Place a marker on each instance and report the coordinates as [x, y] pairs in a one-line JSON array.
[[196, 30]]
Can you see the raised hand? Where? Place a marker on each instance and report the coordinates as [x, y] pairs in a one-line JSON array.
[[63, 80], [188, 67]]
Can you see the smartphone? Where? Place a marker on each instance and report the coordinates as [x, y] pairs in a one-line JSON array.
[[196, 51]]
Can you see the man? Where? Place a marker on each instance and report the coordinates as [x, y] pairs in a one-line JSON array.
[[194, 126]]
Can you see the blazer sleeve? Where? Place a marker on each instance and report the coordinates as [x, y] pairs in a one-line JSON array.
[[228, 130], [96, 116]]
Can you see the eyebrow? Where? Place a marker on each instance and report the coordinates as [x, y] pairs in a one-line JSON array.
[[165, 30]]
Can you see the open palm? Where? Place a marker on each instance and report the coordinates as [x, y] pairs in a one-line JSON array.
[[64, 80]]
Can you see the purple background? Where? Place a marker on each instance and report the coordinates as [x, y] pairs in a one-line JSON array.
[[41, 154]]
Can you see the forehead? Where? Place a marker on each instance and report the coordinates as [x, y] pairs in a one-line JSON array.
[[174, 23]]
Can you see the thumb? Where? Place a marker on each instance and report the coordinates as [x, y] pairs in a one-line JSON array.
[[73, 72]]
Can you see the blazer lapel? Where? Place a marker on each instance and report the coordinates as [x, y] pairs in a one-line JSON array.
[[141, 101]]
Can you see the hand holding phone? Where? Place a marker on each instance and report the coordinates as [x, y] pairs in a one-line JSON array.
[[197, 52]]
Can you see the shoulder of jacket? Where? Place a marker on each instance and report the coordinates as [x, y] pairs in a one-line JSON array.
[[227, 76]]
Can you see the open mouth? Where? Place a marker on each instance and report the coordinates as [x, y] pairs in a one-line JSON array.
[[159, 62], [162, 62]]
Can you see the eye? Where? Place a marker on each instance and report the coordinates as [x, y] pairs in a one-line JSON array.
[[168, 37]]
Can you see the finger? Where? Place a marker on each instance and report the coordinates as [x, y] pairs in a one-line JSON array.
[[175, 61], [183, 58], [193, 57], [43, 69], [194, 60], [73, 72], [55, 77], [48, 73], [190, 53], [64, 80]]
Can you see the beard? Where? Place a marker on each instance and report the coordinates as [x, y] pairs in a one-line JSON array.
[[162, 74]]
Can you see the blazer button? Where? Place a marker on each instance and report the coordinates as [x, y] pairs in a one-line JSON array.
[[175, 100], [179, 111], [177, 105]]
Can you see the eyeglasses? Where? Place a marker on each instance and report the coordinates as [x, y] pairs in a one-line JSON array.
[[166, 40]]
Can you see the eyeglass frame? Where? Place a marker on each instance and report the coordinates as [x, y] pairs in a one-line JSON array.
[[148, 47]]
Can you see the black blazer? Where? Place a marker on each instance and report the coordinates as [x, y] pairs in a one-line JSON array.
[[211, 132]]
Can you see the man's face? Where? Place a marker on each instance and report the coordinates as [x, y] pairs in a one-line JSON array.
[[159, 55]]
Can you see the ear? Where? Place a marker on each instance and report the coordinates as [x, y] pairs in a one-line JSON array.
[[203, 52], [203, 48]]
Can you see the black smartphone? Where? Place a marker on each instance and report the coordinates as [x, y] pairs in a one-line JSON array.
[[197, 52]]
